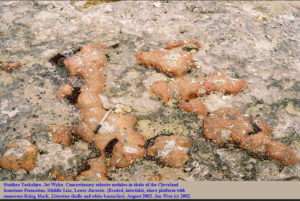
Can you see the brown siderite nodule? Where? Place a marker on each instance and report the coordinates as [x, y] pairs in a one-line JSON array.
[[252, 133], [171, 150], [88, 63], [10, 66], [20, 154], [187, 90]]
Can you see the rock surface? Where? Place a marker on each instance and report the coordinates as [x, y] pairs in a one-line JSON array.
[[254, 41]]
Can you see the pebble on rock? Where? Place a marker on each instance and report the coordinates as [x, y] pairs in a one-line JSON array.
[[10, 66]]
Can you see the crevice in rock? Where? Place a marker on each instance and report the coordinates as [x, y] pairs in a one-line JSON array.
[[109, 147]]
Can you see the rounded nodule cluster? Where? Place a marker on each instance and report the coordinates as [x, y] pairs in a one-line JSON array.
[[97, 171], [225, 125], [10, 66], [61, 134], [187, 90], [171, 150], [186, 44], [174, 63], [88, 64], [252, 133], [63, 91], [56, 175]]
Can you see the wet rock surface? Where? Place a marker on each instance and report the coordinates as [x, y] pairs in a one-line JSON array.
[[257, 42]]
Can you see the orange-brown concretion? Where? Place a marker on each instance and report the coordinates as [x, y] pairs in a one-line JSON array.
[[20, 154], [171, 150], [63, 91], [89, 57], [61, 134], [193, 106], [130, 145], [191, 88], [174, 63], [88, 64], [185, 43], [97, 171], [185, 90], [162, 89], [56, 175], [9, 66], [156, 177], [252, 133]]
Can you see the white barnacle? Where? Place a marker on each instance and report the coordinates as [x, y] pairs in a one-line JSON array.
[[107, 128], [257, 121], [23, 142], [221, 81], [112, 118], [94, 53], [123, 132], [130, 149], [225, 135], [172, 58], [195, 81], [92, 109], [234, 80], [78, 60], [170, 146], [201, 90], [15, 151], [93, 120]]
